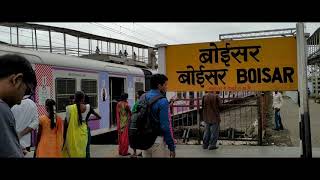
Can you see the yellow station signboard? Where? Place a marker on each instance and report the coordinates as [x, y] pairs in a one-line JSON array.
[[236, 65]]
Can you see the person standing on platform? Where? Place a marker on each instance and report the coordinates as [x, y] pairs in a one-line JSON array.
[[212, 105], [123, 114], [50, 133], [76, 136], [277, 103], [159, 110], [125, 53], [134, 109], [17, 79], [27, 120]]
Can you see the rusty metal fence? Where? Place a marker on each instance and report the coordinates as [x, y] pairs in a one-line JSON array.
[[242, 119]]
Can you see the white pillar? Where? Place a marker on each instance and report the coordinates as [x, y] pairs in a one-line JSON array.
[[162, 58], [305, 140]]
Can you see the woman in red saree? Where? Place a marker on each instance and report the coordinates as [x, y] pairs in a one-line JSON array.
[[123, 115]]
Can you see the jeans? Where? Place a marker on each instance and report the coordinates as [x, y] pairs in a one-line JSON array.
[[211, 135], [277, 119]]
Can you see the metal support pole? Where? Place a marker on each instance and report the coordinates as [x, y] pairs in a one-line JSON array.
[[107, 50], [64, 43], [101, 46], [10, 37], [198, 120], [31, 38], [50, 44], [260, 123], [259, 117], [35, 38], [132, 53], [313, 44], [265, 111], [17, 36], [78, 47], [89, 45], [222, 97], [305, 133], [143, 55], [318, 35]]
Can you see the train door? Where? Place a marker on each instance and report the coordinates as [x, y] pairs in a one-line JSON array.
[[147, 75], [116, 88], [139, 86]]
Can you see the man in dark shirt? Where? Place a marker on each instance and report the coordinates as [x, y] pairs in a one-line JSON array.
[[16, 78], [212, 105]]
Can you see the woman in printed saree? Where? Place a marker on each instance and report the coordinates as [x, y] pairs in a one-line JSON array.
[[76, 128], [123, 115], [50, 133]]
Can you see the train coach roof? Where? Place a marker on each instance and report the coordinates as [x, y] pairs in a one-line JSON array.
[[70, 61]]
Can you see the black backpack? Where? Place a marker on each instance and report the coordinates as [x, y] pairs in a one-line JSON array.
[[143, 126]]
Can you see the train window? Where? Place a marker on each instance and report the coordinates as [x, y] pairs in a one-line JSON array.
[[89, 87], [138, 86], [65, 87]]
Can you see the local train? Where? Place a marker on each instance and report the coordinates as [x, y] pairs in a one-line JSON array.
[[60, 76]]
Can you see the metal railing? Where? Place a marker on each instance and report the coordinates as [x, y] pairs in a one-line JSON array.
[[240, 120], [73, 51]]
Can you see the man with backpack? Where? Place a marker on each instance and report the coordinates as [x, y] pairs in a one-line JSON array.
[[149, 127]]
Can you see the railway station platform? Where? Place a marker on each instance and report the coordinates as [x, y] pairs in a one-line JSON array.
[[225, 151]]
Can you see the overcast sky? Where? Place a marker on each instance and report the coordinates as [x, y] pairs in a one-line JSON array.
[[174, 33], [142, 33]]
